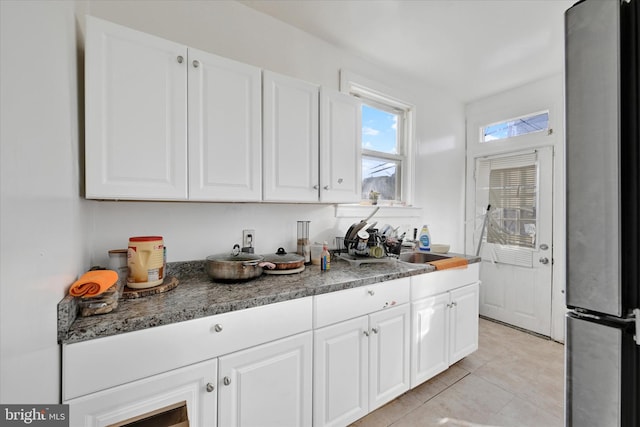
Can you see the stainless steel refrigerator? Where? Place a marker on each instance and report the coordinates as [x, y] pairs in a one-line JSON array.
[[603, 157]]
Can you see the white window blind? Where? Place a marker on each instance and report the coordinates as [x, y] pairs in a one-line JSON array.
[[509, 184]]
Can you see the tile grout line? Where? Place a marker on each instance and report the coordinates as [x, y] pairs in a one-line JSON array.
[[467, 373]]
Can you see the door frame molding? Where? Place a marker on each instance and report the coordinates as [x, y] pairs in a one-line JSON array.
[[544, 94]]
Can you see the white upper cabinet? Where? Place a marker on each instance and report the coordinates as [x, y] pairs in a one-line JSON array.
[[340, 148], [290, 139], [139, 111], [136, 114], [169, 122], [225, 135]]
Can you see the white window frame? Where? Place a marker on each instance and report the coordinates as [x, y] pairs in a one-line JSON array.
[[380, 97]]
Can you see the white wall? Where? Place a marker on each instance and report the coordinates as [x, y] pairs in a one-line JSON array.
[[42, 219], [50, 235]]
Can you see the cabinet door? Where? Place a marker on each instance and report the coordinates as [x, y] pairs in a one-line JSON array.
[[225, 133], [340, 148], [290, 139], [136, 115], [268, 385], [464, 322], [430, 349], [389, 345], [194, 385], [341, 372]]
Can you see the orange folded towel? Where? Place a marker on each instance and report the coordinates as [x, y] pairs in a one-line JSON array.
[[93, 283], [453, 262]]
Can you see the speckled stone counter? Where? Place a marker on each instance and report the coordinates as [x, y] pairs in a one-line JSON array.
[[198, 296]]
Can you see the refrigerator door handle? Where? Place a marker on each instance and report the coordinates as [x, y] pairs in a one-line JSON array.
[[636, 314]]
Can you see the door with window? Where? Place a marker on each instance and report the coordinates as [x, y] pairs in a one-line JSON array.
[[514, 222]]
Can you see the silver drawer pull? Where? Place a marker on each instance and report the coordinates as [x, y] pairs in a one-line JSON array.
[[366, 333], [226, 380], [210, 387], [374, 330], [217, 327], [370, 292]]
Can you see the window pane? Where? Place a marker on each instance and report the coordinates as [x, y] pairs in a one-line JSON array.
[[379, 175], [516, 127], [513, 198], [379, 130]]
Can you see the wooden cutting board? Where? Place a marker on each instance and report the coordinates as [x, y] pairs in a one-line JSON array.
[[169, 283], [453, 262]]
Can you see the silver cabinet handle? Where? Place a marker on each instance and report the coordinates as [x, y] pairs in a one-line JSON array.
[[544, 260], [366, 333], [374, 330], [217, 327], [315, 187], [340, 180], [196, 63], [370, 292], [226, 380], [326, 187], [180, 59], [210, 387]]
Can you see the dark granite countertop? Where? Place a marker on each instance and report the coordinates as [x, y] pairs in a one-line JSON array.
[[198, 296]]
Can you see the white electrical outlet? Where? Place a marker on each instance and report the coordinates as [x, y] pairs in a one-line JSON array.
[[248, 238]]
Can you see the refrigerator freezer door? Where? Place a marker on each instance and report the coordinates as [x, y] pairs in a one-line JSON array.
[[593, 369], [593, 160]]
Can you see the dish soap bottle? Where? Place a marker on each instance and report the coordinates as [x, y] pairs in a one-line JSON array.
[[424, 241], [325, 258]]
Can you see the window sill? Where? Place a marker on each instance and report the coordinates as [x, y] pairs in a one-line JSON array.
[[385, 211]]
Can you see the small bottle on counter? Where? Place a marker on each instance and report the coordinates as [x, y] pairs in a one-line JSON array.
[[325, 257], [424, 241]]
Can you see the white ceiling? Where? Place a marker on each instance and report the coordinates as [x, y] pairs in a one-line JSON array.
[[470, 48]]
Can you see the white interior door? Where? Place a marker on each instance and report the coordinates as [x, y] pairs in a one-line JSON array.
[[516, 249]]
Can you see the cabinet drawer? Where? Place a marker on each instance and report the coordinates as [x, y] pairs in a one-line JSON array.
[[338, 306], [94, 365], [428, 284]]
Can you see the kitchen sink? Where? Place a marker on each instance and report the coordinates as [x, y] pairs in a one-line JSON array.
[[420, 257]]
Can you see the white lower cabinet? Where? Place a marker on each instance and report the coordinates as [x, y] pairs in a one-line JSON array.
[[193, 387], [249, 367], [464, 322], [331, 360], [389, 343], [268, 385], [341, 373], [361, 363], [445, 329]]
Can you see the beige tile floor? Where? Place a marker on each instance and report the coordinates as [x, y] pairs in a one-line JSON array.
[[515, 379]]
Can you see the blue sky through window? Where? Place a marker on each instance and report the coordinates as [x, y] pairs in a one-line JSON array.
[[515, 127], [379, 130]]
